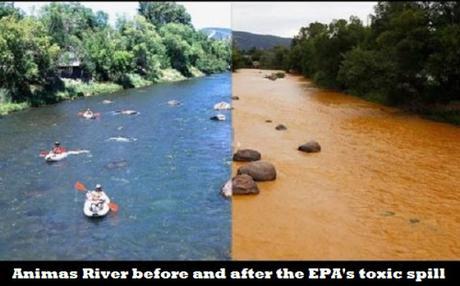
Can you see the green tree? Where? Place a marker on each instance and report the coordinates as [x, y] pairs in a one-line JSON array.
[[8, 9], [27, 56], [162, 13], [237, 59], [146, 45]]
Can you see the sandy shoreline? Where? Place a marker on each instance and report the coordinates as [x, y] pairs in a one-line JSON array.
[[341, 203]]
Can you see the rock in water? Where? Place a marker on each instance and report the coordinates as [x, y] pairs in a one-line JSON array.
[[281, 127], [218, 117], [259, 171], [310, 147], [244, 185], [246, 155], [235, 97], [174, 102], [268, 121], [222, 106], [226, 190], [129, 112], [116, 164]]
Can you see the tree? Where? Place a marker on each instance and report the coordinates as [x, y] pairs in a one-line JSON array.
[[8, 9], [237, 59], [27, 55], [146, 45], [162, 13], [64, 20]]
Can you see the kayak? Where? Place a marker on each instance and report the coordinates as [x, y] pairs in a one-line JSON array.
[[91, 210], [52, 157]]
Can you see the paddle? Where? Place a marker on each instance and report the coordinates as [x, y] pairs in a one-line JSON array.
[[44, 153], [79, 186]]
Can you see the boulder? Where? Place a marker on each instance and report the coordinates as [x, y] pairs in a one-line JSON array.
[[259, 171], [280, 127], [235, 97], [310, 147], [222, 106], [272, 77], [218, 117], [174, 102], [244, 185], [280, 74], [226, 190], [246, 155]]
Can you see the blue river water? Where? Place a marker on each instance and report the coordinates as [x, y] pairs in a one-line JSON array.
[[166, 182]]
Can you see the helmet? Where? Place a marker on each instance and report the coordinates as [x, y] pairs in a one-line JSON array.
[[57, 143], [98, 187]]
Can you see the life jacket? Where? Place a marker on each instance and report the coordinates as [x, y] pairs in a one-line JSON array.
[[58, 150]]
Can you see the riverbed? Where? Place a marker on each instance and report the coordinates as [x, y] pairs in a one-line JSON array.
[[165, 177], [384, 186]]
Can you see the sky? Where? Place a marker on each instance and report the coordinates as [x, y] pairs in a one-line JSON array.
[[285, 18], [204, 14], [275, 18]]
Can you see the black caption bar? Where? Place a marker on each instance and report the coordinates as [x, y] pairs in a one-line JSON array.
[[231, 272]]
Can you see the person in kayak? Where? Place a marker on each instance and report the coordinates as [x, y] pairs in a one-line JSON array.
[[97, 197], [88, 113], [58, 149]]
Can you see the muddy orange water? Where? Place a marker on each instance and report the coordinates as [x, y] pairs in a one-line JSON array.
[[385, 185]]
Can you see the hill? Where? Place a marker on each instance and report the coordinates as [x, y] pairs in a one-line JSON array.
[[246, 40], [218, 33]]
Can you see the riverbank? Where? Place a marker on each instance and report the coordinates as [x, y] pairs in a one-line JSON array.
[[76, 88], [448, 113], [383, 186]]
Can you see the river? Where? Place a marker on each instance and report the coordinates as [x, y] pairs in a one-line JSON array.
[[166, 181], [384, 186]]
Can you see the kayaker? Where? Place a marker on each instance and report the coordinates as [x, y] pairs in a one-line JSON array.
[[88, 113], [97, 197], [58, 149]]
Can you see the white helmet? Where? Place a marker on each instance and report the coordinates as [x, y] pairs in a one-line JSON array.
[[98, 186]]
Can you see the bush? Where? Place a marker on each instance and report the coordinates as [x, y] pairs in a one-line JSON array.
[[6, 108], [138, 81], [280, 74], [75, 88]]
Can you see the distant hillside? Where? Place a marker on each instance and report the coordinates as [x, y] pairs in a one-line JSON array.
[[246, 41], [218, 33]]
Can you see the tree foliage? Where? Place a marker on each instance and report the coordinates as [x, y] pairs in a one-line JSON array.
[[27, 55], [162, 13], [33, 49]]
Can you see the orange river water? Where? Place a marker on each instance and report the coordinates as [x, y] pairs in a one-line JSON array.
[[384, 186]]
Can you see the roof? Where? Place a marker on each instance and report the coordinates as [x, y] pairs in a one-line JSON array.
[[68, 59]]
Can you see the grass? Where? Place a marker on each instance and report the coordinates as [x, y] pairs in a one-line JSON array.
[[76, 88], [6, 108], [169, 75], [138, 81], [196, 72]]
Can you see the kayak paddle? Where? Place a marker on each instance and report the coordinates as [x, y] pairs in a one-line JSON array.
[[44, 153], [79, 186], [113, 207]]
